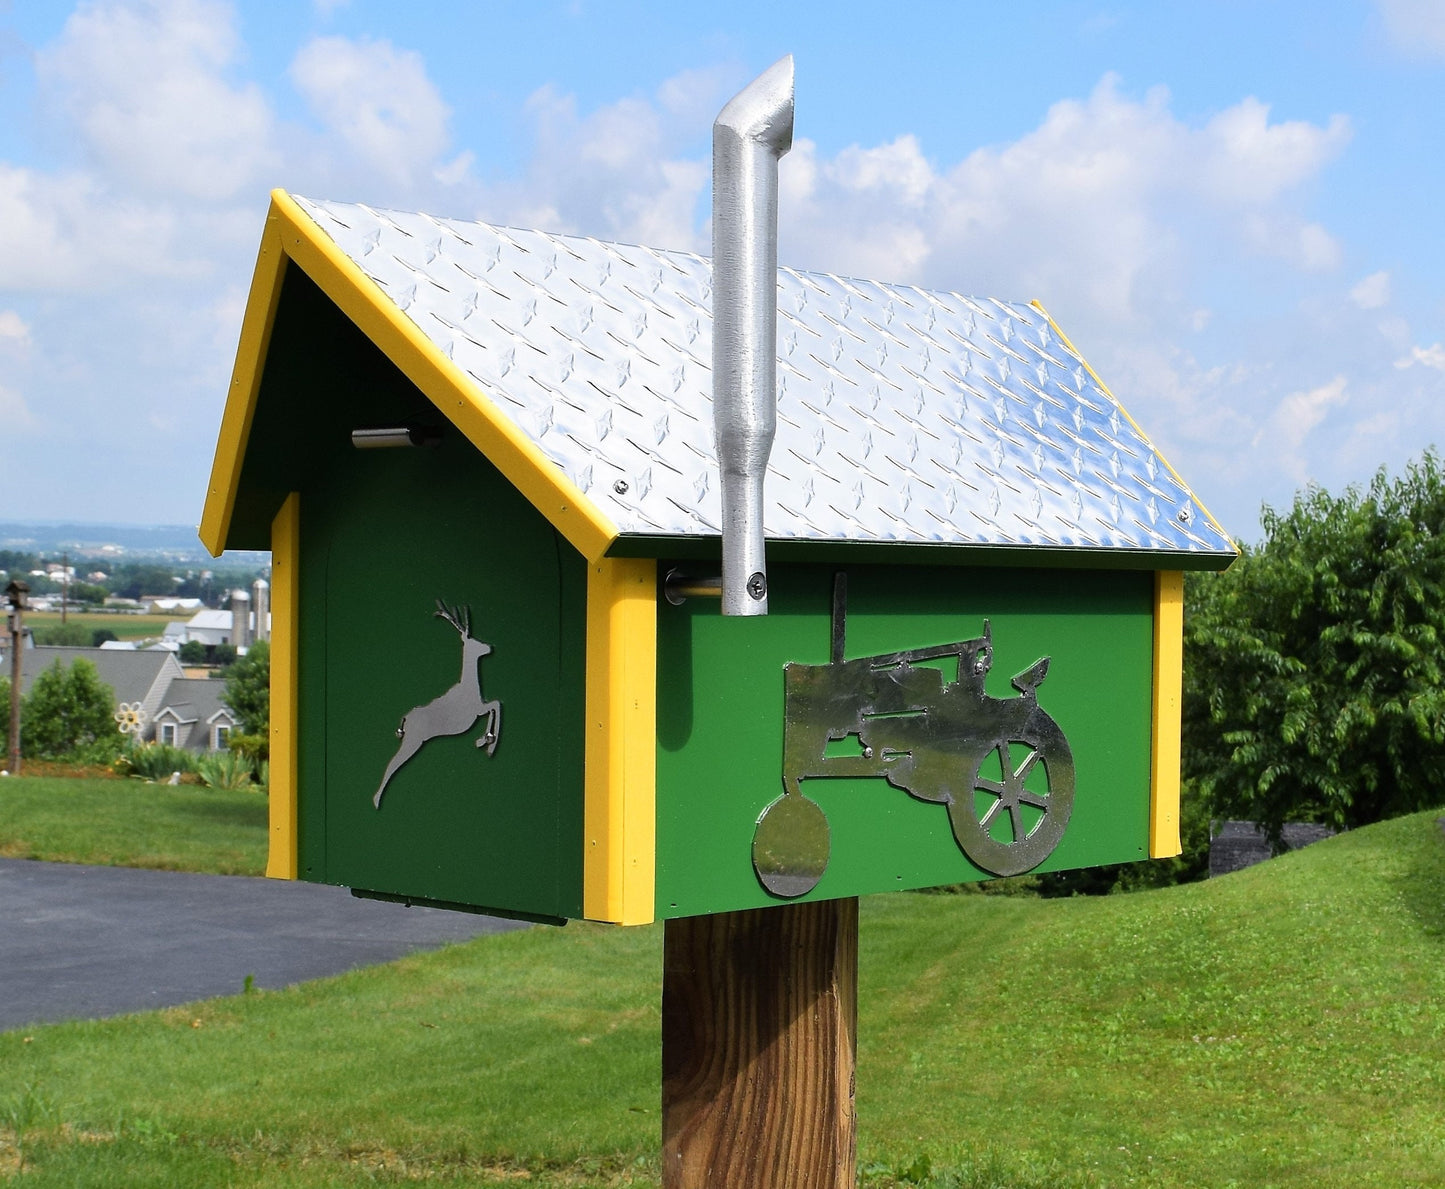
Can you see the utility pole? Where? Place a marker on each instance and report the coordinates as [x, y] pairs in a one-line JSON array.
[[16, 593]]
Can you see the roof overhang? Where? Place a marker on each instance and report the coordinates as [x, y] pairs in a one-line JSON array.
[[292, 239]]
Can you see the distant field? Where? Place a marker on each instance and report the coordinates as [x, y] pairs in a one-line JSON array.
[[1283, 1026], [128, 823], [125, 627]]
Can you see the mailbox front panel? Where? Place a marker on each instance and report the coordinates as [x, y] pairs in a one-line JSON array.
[[441, 677], [895, 758]]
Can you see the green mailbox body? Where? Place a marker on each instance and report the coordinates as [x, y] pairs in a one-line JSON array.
[[483, 696]]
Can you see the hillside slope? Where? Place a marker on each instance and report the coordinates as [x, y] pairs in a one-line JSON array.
[[1281, 1026]]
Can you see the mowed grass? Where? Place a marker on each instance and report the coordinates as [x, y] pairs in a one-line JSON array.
[[1283, 1026], [125, 627], [128, 823]]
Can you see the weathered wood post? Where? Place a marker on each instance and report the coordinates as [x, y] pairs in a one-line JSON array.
[[759, 1032], [15, 594]]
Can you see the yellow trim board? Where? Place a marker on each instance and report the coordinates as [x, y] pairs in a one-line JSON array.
[[281, 860], [256, 325], [620, 818], [1038, 305], [299, 239], [1168, 714]]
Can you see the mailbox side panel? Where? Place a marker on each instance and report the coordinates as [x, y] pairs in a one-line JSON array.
[[468, 722], [721, 711]]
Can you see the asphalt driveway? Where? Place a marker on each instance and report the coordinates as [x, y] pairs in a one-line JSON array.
[[84, 942]]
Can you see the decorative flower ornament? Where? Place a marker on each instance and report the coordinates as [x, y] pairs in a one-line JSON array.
[[132, 718]]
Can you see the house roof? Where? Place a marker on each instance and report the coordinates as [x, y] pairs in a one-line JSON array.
[[195, 699], [132, 675], [581, 369], [210, 619]]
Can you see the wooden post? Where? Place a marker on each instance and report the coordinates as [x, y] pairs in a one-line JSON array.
[[759, 1031]]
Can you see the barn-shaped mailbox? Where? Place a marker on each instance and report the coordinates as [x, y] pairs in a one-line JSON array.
[[483, 694]]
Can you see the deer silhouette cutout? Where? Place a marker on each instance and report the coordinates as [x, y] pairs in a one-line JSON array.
[[454, 712]]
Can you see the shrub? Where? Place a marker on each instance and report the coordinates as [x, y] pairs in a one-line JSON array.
[[248, 689], [156, 761], [68, 710], [68, 635], [225, 770], [1315, 667], [193, 652], [256, 748]]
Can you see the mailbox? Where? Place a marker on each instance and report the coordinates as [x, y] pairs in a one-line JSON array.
[[483, 461]]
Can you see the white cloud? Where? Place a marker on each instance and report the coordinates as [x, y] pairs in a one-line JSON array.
[[14, 413], [1372, 292], [144, 84], [1284, 434], [379, 100], [1417, 27], [617, 171], [1243, 159], [1431, 356], [14, 329], [1102, 207], [65, 232]]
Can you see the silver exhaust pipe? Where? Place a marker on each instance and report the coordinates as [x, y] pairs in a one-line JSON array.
[[749, 136]]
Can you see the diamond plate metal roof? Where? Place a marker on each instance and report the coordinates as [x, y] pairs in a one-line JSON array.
[[903, 415]]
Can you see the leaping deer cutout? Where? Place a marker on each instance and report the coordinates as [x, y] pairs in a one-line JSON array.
[[454, 712]]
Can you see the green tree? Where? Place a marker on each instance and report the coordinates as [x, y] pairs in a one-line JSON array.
[[69, 634], [193, 652], [248, 689], [1315, 666], [69, 711]]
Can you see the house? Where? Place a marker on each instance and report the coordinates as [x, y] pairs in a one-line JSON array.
[[143, 677], [195, 715], [187, 712], [521, 425], [213, 627]]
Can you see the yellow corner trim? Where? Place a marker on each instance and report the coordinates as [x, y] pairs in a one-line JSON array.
[[1168, 713], [281, 861], [256, 324], [620, 819], [1038, 305]]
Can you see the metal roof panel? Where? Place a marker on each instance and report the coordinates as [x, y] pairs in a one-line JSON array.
[[903, 414]]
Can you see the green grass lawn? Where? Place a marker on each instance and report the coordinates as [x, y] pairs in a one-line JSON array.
[[1284, 1026], [128, 823]]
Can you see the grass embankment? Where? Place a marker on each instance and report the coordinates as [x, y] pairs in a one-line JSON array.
[[125, 626], [128, 823], [1284, 1026]]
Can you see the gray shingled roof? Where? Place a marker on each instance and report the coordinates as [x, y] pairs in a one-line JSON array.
[[194, 699], [904, 414], [134, 676]]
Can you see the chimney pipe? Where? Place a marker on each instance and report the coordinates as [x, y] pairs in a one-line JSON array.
[[749, 136]]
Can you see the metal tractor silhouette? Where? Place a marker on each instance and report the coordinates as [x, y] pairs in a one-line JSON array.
[[1001, 766], [454, 712]]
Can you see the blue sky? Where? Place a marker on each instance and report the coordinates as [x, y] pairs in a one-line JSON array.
[[1231, 208]]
